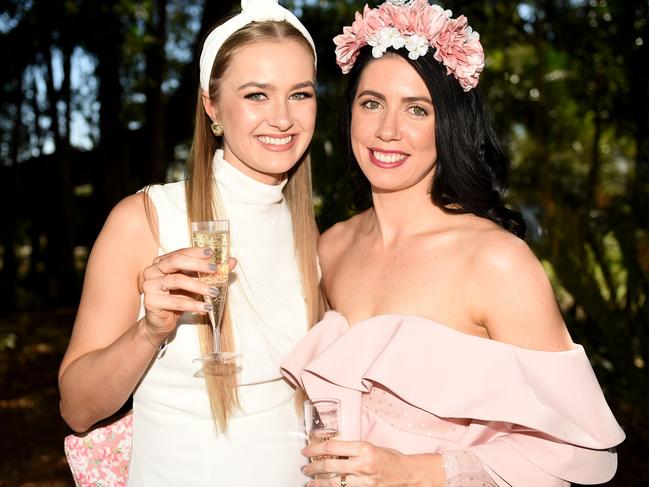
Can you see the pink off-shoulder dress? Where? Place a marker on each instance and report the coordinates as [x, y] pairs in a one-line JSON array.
[[532, 418]]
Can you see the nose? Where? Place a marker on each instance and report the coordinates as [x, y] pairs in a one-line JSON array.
[[281, 117], [388, 128]]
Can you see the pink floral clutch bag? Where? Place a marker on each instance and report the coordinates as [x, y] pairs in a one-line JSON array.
[[100, 458]]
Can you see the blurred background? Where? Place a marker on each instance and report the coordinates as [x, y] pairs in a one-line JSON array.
[[97, 100]]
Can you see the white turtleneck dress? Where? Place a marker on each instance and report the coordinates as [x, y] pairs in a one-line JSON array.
[[175, 443]]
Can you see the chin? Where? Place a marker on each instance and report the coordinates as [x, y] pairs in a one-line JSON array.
[[277, 169]]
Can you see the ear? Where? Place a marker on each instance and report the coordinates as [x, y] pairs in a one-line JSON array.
[[207, 105]]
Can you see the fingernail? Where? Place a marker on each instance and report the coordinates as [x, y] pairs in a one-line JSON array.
[[212, 267], [208, 307], [207, 252], [214, 291]]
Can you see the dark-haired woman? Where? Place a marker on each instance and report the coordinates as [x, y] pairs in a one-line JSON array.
[[446, 347]]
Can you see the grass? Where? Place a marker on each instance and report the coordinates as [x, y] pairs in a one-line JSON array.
[[31, 347]]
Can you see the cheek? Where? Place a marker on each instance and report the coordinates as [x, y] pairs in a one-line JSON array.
[[307, 116], [424, 139], [358, 130], [248, 115]]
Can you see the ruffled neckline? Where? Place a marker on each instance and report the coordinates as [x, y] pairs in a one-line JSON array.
[[453, 375], [443, 328]]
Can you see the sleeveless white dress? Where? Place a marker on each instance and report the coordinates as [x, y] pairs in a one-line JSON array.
[[175, 442]]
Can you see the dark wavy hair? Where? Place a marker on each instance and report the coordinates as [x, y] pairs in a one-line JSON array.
[[471, 170]]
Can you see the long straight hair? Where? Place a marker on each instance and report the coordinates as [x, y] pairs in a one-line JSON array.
[[203, 204]]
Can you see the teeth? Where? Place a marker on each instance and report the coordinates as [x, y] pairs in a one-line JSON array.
[[389, 158], [274, 140]]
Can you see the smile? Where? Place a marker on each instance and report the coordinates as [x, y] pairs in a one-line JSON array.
[[388, 157], [265, 139]]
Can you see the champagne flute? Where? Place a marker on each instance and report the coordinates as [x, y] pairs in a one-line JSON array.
[[322, 421], [215, 235]]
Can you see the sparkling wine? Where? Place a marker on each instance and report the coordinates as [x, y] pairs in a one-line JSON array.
[[219, 242], [319, 436]]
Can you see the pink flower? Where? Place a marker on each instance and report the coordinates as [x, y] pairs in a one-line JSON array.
[[459, 49], [415, 26], [101, 458]]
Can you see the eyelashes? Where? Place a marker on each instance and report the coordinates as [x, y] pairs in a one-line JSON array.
[[416, 110], [261, 96]]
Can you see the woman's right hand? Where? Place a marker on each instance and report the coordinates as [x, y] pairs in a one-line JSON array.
[[170, 288]]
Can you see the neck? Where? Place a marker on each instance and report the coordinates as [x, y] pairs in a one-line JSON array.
[[401, 214]]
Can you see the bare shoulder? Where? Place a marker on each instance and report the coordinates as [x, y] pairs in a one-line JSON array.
[[337, 239], [511, 293], [134, 214], [128, 238], [497, 251]]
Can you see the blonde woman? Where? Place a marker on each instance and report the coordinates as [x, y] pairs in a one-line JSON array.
[[142, 317]]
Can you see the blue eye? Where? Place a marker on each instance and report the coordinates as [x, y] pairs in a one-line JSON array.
[[256, 96]]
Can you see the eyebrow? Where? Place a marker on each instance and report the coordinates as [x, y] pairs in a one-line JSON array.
[[268, 86], [406, 99]]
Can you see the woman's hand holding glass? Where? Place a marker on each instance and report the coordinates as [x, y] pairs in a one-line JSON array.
[[171, 288], [361, 463]]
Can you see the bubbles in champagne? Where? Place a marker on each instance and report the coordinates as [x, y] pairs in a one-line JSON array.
[[321, 435], [219, 242]]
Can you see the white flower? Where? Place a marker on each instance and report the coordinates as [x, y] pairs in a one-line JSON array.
[[417, 46], [448, 13], [377, 52], [472, 35], [263, 10], [385, 38], [394, 38]]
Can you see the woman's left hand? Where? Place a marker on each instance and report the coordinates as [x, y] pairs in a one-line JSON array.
[[362, 464]]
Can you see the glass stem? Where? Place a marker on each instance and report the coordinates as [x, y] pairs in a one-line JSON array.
[[216, 334]]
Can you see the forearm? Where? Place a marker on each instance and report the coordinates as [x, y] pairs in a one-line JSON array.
[[98, 383], [425, 470], [449, 469]]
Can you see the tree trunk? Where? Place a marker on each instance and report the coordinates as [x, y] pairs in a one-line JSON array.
[[180, 109], [9, 185], [108, 48], [156, 158]]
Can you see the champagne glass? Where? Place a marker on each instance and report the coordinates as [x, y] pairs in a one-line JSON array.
[[322, 421], [215, 235]]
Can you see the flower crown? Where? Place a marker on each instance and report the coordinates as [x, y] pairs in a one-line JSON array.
[[416, 26]]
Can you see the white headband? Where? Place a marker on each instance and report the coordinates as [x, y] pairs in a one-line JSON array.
[[251, 11]]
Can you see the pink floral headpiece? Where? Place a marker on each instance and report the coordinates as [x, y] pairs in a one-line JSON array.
[[414, 25]]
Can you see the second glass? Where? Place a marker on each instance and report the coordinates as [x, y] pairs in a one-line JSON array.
[[322, 423], [215, 235]]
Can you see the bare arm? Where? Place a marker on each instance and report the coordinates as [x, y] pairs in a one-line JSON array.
[[511, 295], [110, 349]]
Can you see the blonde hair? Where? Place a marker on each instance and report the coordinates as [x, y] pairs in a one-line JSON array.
[[203, 204]]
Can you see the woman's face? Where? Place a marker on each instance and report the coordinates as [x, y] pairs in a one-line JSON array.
[[267, 108], [393, 126]]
